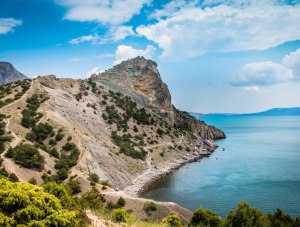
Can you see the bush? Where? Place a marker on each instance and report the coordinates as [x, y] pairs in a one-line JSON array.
[[40, 132], [92, 199], [74, 185], [150, 207], [32, 181], [121, 202], [119, 215], [60, 135], [93, 177], [62, 192], [27, 156], [24, 204], [173, 221], [202, 217]]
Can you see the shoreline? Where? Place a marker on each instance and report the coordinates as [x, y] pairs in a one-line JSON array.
[[144, 183]]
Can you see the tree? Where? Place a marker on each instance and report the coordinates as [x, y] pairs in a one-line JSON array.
[[245, 215], [27, 156], [202, 217], [27, 204], [173, 220]]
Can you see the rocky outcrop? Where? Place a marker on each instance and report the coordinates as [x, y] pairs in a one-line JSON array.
[[185, 121], [9, 74], [139, 78]]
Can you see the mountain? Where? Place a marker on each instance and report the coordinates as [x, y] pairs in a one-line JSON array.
[[139, 78], [119, 126], [9, 74], [292, 111]]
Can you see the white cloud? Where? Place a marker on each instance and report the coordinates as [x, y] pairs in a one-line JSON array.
[[107, 12], [114, 34], [269, 73], [124, 52], [95, 70], [263, 74], [190, 31], [253, 89], [8, 24], [85, 38], [292, 61]]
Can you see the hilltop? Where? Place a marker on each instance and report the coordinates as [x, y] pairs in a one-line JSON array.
[[9, 74]]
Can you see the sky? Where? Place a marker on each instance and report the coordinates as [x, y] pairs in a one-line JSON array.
[[215, 55]]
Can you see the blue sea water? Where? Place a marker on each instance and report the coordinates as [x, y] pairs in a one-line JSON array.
[[260, 164]]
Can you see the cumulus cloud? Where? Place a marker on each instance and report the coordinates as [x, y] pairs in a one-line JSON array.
[[263, 74], [107, 12], [124, 52], [292, 61], [268, 73], [95, 70], [225, 25], [8, 24]]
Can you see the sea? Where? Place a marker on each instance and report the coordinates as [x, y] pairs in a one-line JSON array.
[[258, 162]]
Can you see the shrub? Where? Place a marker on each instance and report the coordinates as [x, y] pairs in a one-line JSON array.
[[93, 177], [202, 217], [40, 132], [150, 207], [121, 202], [27, 156], [173, 221], [74, 185], [32, 181], [92, 199], [60, 135], [24, 204], [13, 177], [62, 192], [119, 215]]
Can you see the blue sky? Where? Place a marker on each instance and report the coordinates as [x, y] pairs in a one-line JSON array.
[[215, 55]]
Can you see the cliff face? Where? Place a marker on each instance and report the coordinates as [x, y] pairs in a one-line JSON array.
[[139, 78], [9, 74]]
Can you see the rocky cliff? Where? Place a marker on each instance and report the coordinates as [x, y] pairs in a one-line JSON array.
[[9, 74], [139, 78]]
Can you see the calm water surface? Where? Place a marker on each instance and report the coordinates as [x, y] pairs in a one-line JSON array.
[[260, 164]]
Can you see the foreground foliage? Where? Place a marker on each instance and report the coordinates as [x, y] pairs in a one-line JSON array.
[[244, 216], [27, 204]]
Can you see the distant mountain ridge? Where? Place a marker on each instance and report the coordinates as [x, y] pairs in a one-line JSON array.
[[292, 111], [9, 74]]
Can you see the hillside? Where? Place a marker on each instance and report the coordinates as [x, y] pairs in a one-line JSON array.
[[9, 74], [65, 129]]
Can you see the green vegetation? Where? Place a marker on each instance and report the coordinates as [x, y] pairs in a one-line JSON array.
[[174, 221], [243, 216], [27, 156], [150, 207], [3, 136], [94, 178], [8, 89], [23, 204], [128, 147], [119, 215], [30, 114]]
